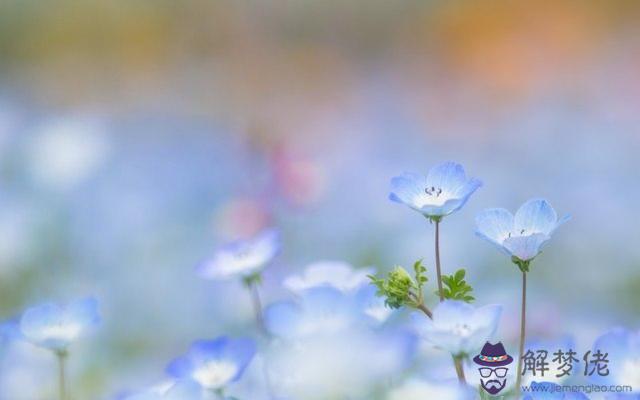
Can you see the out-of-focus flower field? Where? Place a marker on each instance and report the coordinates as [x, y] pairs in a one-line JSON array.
[[182, 165]]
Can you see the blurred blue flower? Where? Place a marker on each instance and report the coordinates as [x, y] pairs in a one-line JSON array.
[[55, 326], [443, 191], [345, 278], [523, 235], [550, 391], [242, 258], [458, 327], [372, 305], [623, 349], [214, 363], [321, 309], [336, 274]]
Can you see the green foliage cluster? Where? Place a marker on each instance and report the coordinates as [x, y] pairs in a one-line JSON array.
[[399, 288], [456, 288]]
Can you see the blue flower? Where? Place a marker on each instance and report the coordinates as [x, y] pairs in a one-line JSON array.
[[460, 328], [242, 258], [623, 349], [55, 327], [550, 391], [443, 191], [214, 363], [319, 310], [523, 235]]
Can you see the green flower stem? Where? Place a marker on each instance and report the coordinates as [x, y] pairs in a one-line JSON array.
[[257, 306], [252, 282], [438, 270], [457, 362], [425, 310], [62, 356], [523, 320]]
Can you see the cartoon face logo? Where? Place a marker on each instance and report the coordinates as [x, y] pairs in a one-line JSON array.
[[493, 361]]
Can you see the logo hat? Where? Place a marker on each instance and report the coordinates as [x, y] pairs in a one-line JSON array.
[[493, 355]]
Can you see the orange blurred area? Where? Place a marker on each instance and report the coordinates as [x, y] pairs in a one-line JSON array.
[[125, 53]]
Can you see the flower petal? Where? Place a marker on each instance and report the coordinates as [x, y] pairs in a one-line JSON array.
[[448, 176], [450, 313], [525, 247], [407, 188], [494, 224], [283, 319], [536, 216]]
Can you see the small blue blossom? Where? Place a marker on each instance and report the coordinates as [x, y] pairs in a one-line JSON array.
[[443, 191], [458, 327], [214, 363], [550, 391], [242, 258], [55, 327], [523, 235]]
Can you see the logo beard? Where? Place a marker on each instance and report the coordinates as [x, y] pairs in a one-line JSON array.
[[493, 386]]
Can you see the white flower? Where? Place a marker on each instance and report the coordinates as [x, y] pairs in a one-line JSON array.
[[242, 258], [337, 274], [55, 327]]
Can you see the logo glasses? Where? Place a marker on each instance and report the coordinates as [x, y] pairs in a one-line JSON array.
[[499, 372]]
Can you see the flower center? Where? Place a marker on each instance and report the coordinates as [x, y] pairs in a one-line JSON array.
[[463, 330], [433, 191], [215, 374], [523, 232]]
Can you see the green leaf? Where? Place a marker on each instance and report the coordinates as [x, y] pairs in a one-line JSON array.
[[456, 288]]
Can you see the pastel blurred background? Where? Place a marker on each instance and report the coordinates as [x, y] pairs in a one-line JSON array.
[[136, 137]]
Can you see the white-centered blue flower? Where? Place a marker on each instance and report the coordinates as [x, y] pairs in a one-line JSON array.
[[523, 235], [443, 191], [458, 327], [213, 364], [242, 258], [56, 326]]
